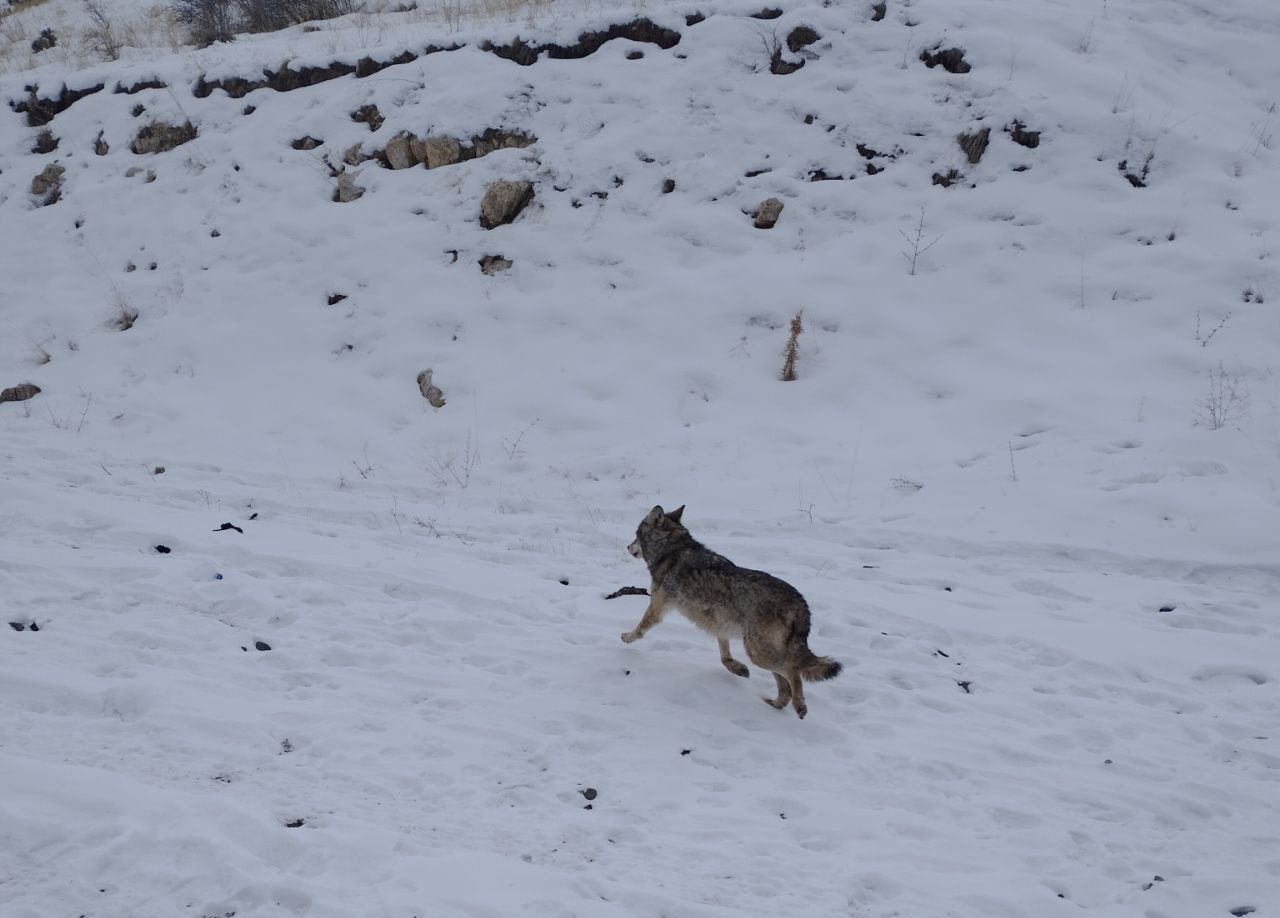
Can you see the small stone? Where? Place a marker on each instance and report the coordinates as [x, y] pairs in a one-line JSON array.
[[767, 214], [369, 115], [564, 581], [48, 184], [685, 751], [336, 298], [590, 793], [801, 37], [163, 549], [17, 626], [668, 186], [431, 392], [261, 645], [295, 824], [494, 264], [347, 189], [19, 393]]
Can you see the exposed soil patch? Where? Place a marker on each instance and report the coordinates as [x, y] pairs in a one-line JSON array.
[[588, 43], [287, 79], [40, 111], [139, 86]]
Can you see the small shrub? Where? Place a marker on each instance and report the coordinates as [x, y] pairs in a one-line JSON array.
[[792, 351]]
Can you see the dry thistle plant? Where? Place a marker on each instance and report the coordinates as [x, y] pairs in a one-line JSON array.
[[792, 350]]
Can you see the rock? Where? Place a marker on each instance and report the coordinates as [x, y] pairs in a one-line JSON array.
[[368, 114], [347, 189], [47, 186], [261, 645], [306, 143], [431, 392], [974, 144], [503, 202], [1019, 134], [160, 137], [668, 186], [100, 146], [492, 264], [497, 139], [441, 151], [801, 37], [590, 793], [354, 155], [399, 152], [19, 393], [951, 60], [767, 213], [149, 175]]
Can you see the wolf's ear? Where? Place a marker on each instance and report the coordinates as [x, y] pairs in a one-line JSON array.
[[675, 514], [656, 513]]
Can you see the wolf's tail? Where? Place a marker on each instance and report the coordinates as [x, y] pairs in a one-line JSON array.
[[819, 669]]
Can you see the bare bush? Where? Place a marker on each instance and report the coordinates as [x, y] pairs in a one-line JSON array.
[[211, 21], [208, 21], [270, 15], [1227, 403]]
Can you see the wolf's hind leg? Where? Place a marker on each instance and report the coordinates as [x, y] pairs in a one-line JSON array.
[[784, 692], [797, 692], [738, 669]]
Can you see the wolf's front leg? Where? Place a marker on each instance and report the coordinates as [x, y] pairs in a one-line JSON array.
[[652, 615]]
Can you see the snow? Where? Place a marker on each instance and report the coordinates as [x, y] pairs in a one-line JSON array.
[[1050, 573]]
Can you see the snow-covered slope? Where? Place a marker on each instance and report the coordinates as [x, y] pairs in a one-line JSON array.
[[1029, 487]]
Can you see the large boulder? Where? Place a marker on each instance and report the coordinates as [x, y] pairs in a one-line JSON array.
[[400, 152], [441, 150]]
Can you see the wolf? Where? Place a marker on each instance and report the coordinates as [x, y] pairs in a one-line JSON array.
[[769, 615]]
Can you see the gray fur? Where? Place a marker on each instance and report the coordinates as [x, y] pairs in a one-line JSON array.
[[768, 615]]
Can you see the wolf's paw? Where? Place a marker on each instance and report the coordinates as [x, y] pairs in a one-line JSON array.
[[738, 669], [775, 702], [801, 709], [629, 637]]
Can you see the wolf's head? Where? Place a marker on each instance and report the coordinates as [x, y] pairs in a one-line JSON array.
[[655, 532]]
